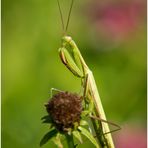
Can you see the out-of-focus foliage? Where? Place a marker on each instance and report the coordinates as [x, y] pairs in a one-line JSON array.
[[31, 34]]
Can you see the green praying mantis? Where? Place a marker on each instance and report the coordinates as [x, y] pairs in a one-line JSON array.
[[73, 60]]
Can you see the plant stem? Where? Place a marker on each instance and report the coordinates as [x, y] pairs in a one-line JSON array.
[[70, 141]]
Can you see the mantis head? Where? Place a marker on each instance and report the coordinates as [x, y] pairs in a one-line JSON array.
[[66, 40]]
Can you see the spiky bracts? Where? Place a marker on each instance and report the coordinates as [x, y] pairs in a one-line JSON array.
[[65, 109]]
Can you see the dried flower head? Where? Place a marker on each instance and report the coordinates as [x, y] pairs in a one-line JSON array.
[[65, 109], [66, 117]]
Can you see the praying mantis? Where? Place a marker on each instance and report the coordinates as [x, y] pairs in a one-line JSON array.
[[71, 57]]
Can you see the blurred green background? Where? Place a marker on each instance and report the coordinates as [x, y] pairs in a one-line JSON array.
[[114, 47]]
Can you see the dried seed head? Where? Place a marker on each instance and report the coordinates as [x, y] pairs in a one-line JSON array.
[[65, 109]]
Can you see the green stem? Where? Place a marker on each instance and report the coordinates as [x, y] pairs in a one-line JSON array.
[[70, 141]]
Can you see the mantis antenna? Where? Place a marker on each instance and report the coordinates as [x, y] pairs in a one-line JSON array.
[[61, 15], [69, 15]]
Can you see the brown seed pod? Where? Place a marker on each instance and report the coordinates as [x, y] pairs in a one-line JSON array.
[[65, 109]]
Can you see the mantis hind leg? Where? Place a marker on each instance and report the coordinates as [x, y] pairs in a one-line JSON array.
[[91, 106], [108, 122], [54, 91]]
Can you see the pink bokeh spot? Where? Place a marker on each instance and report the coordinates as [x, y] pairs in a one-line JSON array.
[[131, 137], [117, 21]]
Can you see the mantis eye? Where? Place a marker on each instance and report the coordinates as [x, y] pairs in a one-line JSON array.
[[65, 109]]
